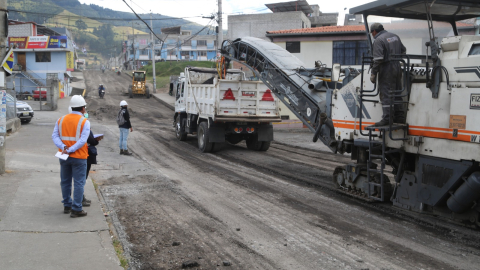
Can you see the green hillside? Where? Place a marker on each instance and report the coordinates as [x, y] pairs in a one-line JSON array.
[[97, 29], [165, 69]]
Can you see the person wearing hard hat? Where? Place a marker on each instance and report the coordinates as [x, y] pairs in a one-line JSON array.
[[70, 136], [389, 72], [123, 121]]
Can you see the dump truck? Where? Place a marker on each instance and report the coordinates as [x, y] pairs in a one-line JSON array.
[[226, 108], [138, 86]]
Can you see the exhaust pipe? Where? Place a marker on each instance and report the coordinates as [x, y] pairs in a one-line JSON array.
[[315, 84]]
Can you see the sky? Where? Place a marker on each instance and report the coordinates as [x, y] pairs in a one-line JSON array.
[[193, 8]]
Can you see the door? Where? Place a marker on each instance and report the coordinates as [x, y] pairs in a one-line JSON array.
[[21, 60]]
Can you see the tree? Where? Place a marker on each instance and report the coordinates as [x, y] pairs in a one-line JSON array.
[[81, 25]]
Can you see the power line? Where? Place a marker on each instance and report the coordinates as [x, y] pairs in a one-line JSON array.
[[148, 26]]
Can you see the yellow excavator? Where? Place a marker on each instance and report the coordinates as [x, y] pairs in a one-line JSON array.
[[138, 86]]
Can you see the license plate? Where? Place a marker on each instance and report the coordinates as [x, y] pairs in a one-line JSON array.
[[26, 113], [241, 124], [248, 93]]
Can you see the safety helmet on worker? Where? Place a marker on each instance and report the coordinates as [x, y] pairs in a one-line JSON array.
[[77, 101], [123, 103]]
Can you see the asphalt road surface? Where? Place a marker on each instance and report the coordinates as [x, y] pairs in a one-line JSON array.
[[175, 207]]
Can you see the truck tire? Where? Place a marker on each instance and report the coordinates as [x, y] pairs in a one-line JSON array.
[[147, 92], [130, 91], [204, 144], [180, 130], [253, 143], [265, 146]]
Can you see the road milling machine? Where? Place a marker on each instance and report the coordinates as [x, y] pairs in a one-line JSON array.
[[433, 158]]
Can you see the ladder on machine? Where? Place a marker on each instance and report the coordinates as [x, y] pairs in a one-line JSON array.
[[383, 131]]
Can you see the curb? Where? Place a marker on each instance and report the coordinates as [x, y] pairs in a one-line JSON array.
[[164, 103]]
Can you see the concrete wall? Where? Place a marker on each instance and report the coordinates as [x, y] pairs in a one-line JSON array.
[[310, 51], [256, 25], [21, 30]]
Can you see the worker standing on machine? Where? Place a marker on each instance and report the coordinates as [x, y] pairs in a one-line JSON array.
[[389, 72]]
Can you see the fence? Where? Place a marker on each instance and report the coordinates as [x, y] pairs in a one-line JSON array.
[[37, 94]]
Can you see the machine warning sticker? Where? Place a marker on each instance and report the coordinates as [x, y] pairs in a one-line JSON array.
[[475, 101], [458, 121]]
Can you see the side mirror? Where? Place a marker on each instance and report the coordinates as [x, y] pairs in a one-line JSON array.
[[336, 72]]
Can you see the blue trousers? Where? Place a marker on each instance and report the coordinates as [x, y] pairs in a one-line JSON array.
[[123, 138], [76, 169]]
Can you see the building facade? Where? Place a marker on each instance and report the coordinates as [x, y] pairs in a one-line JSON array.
[[40, 54], [179, 46], [283, 16]]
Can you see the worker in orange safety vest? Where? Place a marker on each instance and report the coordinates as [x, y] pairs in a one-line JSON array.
[[70, 136]]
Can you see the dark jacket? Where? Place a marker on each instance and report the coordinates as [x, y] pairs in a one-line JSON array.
[[92, 150], [389, 73], [126, 116]]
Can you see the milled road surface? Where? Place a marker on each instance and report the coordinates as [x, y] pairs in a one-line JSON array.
[[238, 209]]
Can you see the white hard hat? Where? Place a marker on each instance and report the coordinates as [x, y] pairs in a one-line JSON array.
[[77, 101], [123, 103]]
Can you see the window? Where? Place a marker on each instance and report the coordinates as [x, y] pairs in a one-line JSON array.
[[42, 57], [187, 43], [475, 50], [201, 43], [349, 52], [185, 53], [293, 46], [202, 53]]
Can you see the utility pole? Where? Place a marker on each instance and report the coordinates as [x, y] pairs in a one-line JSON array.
[[153, 56], [220, 26], [133, 48], [3, 116]]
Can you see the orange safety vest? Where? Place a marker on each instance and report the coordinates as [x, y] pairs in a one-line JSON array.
[[70, 128]]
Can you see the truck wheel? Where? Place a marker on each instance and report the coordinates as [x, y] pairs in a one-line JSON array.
[[253, 143], [130, 91], [204, 144], [180, 130], [147, 92], [265, 146]]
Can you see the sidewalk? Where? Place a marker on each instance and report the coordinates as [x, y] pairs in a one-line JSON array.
[[34, 231]]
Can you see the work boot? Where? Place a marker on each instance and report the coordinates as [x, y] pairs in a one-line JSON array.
[[126, 153], [75, 214], [86, 202], [383, 122], [121, 151], [66, 210]]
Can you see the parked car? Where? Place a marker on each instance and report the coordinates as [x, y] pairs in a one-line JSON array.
[[24, 111], [36, 95]]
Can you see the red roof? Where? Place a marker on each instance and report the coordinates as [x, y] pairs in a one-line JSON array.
[[350, 28], [323, 29]]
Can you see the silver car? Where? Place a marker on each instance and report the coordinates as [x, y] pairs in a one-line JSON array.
[[24, 111]]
